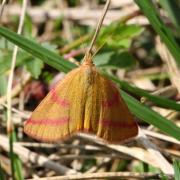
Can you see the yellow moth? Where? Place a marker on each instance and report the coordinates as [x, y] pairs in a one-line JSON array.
[[83, 101]]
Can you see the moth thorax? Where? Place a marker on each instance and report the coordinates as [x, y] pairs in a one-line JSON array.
[[89, 75]]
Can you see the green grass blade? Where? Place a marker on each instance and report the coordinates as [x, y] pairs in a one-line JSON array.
[[146, 114], [163, 176], [11, 154], [16, 166], [151, 13], [3, 82], [17, 162], [158, 100], [173, 9], [176, 164], [37, 50], [2, 175]]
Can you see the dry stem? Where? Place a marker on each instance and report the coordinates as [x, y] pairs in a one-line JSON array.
[[107, 175], [27, 155], [10, 80]]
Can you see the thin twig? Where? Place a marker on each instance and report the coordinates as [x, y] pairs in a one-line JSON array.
[[75, 43], [2, 8], [107, 175], [10, 80], [161, 136], [98, 156], [66, 146], [89, 51]]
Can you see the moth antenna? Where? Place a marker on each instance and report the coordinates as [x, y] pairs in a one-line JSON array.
[[89, 51], [98, 49]]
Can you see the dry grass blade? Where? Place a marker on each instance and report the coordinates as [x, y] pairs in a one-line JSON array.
[[157, 157], [27, 155], [161, 136], [174, 153], [106, 175], [67, 146], [170, 62], [100, 156], [10, 80], [136, 152], [5, 164]]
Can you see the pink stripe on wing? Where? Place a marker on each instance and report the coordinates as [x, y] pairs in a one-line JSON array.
[[52, 122], [116, 124], [57, 99]]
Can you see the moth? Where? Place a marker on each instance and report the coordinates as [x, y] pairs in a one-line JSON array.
[[84, 101]]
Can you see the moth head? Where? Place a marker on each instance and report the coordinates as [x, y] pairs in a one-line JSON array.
[[87, 61]]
